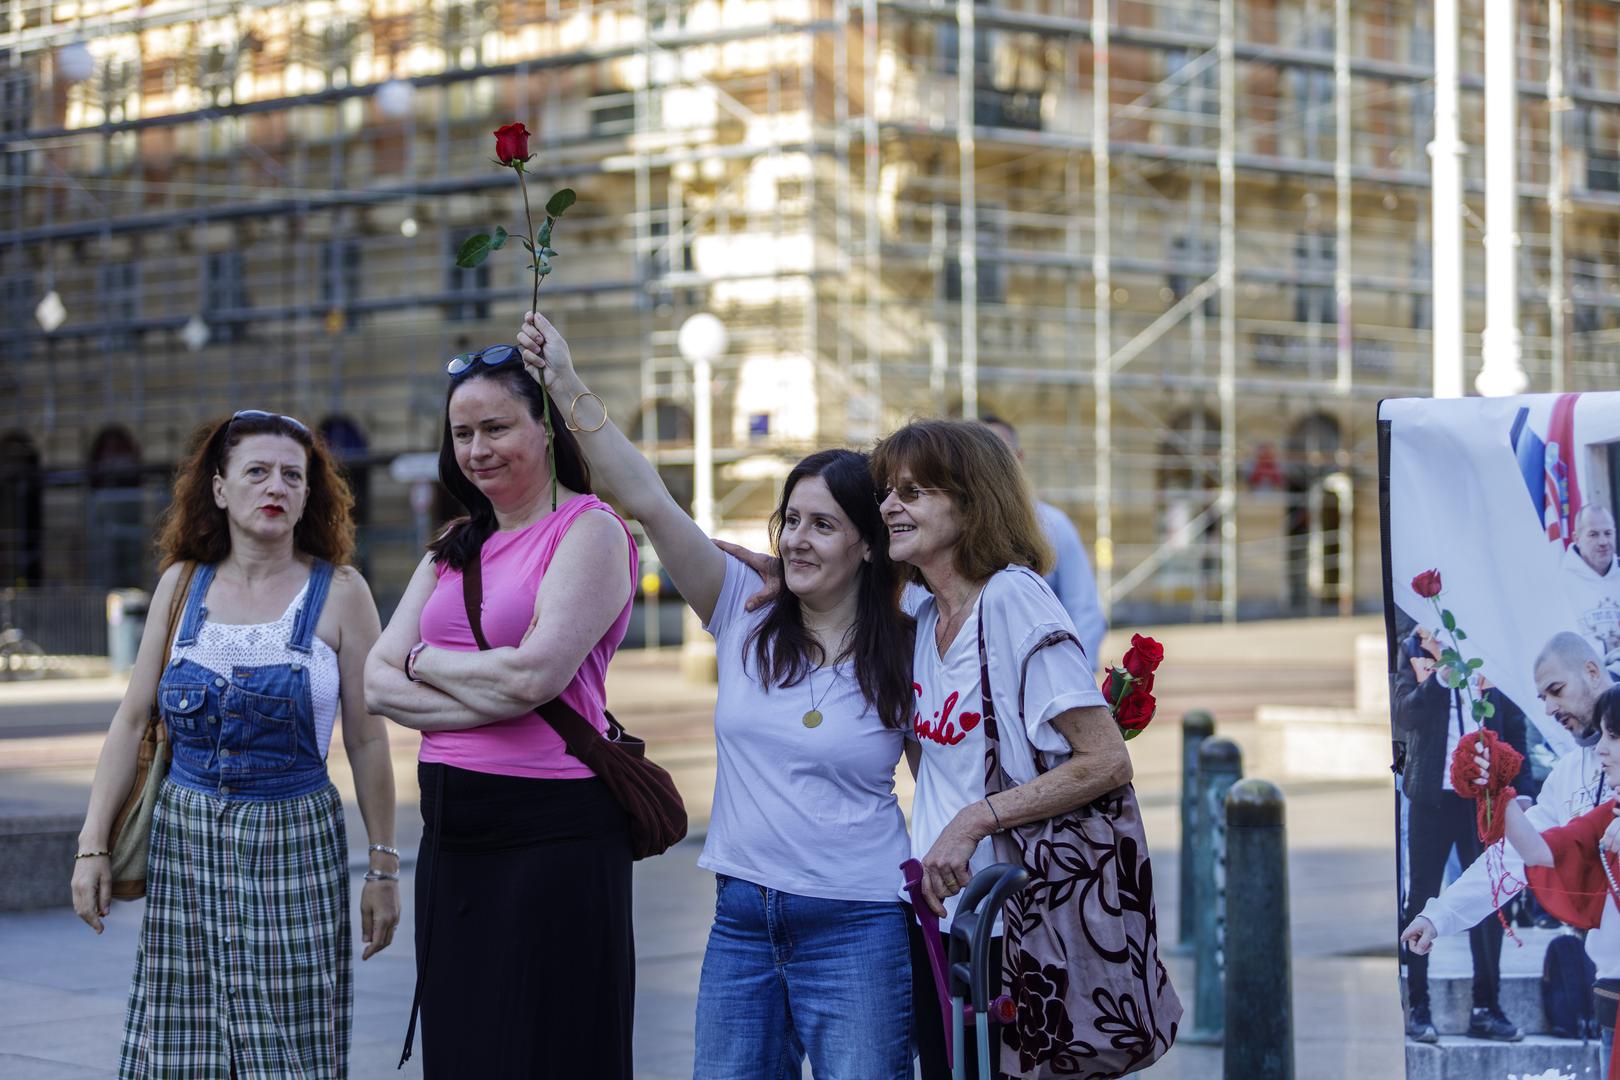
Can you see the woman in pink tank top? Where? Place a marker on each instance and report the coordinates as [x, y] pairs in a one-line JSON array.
[[524, 947]]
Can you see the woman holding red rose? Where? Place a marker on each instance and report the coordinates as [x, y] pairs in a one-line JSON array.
[[991, 633]]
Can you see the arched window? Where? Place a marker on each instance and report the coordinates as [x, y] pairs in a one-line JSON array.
[[22, 512], [1186, 489], [1313, 518], [116, 528]]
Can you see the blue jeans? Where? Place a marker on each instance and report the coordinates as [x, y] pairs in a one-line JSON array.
[[787, 976]]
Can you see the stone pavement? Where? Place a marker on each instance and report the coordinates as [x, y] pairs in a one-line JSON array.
[[62, 988]]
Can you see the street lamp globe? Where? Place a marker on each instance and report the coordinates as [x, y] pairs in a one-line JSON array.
[[395, 98], [74, 62], [701, 338]]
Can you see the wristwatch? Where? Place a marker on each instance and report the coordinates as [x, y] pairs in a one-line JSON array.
[[410, 660]]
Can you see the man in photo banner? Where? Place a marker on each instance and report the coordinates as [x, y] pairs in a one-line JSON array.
[[1569, 678], [1591, 577], [1432, 718]]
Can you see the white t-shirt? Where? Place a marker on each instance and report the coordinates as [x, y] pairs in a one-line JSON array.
[[810, 811], [1018, 609]]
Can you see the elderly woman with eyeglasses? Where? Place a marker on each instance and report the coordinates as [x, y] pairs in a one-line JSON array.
[[524, 945], [243, 967]]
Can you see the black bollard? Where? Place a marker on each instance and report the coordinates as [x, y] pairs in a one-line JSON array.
[[1259, 980], [1220, 765], [1196, 726]]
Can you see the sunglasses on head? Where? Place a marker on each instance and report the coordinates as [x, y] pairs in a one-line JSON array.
[[260, 414], [490, 356], [908, 493]]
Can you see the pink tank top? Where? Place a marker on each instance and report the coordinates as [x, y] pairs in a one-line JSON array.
[[513, 564]]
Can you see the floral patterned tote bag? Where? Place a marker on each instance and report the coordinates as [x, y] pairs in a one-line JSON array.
[[1081, 947]]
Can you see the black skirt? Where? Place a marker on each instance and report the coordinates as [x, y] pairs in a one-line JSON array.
[[525, 943]]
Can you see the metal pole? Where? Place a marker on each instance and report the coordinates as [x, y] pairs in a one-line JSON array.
[[1102, 430], [1341, 190], [868, 422], [1503, 372], [1259, 978], [1445, 154], [703, 444], [1557, 106], [1220, 765], [1196, 726], [968, 242], [1228, 272]]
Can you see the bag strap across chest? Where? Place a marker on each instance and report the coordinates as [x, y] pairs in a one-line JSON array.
[[994, 772], [577, 733]]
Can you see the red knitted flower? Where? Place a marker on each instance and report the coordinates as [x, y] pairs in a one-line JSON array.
[[1492, 796]]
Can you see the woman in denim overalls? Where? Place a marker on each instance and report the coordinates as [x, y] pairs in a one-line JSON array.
[[244, 968]]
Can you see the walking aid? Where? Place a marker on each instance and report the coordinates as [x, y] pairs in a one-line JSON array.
[[964, 985]]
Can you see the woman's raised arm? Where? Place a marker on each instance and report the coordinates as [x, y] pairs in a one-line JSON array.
[[696, 567]]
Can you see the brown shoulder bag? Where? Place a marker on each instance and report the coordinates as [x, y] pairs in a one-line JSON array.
[[618, 758], [132, 828]]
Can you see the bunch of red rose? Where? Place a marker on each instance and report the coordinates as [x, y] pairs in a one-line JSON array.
[[1129, 687]]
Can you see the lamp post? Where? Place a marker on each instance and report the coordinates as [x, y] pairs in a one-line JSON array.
[[1503, 372], [701, 339]]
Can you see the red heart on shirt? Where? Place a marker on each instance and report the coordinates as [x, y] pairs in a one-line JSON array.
[[969, 720]]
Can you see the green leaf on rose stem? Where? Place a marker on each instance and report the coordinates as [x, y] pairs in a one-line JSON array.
[[473, 251], [1449, 619], [528, 245], [1450, 656], [1490, 709], [1479, 710], [1454, 681], [559, 203], [543, 270], [547, 252], [497, 241], [543, 237], [1461, 636], [1475, 664]]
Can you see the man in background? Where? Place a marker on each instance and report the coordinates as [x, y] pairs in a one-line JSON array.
[[1591, 578], [1432, 718], [1071, 577]]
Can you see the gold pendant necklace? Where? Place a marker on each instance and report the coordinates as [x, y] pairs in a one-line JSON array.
[[812, 715]]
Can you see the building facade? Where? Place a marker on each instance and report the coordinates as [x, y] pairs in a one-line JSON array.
[[897, 207]]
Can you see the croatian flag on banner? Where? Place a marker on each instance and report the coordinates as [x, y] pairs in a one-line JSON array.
[[1545, 465]]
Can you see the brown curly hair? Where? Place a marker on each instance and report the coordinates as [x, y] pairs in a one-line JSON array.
[[193, 528]]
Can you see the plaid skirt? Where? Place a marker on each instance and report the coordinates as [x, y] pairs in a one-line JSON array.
[[244, 957]]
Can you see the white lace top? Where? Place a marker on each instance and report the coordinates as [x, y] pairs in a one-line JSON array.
[[222, 646]]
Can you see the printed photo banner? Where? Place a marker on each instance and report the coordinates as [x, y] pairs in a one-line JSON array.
[[1487, 491], [1503, 602]]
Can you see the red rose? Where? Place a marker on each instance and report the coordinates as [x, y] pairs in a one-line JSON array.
[[1135, 711], [1427, 584], [511, 143], [1143, 657]]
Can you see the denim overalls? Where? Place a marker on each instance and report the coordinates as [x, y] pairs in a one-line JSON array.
[[247, 733]]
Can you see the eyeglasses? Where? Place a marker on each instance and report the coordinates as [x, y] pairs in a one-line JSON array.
[[908, 493], [490, 356], [260, 414]]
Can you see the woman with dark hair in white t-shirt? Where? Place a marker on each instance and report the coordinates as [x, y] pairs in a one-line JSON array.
[[808, 954], [960, 514]]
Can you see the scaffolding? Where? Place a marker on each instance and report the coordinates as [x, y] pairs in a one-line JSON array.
[[1183, 245]]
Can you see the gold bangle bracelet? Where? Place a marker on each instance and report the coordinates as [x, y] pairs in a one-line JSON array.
[[573, 421]]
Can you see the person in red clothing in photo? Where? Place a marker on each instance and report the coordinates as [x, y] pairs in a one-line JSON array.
[[1573, 868]]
